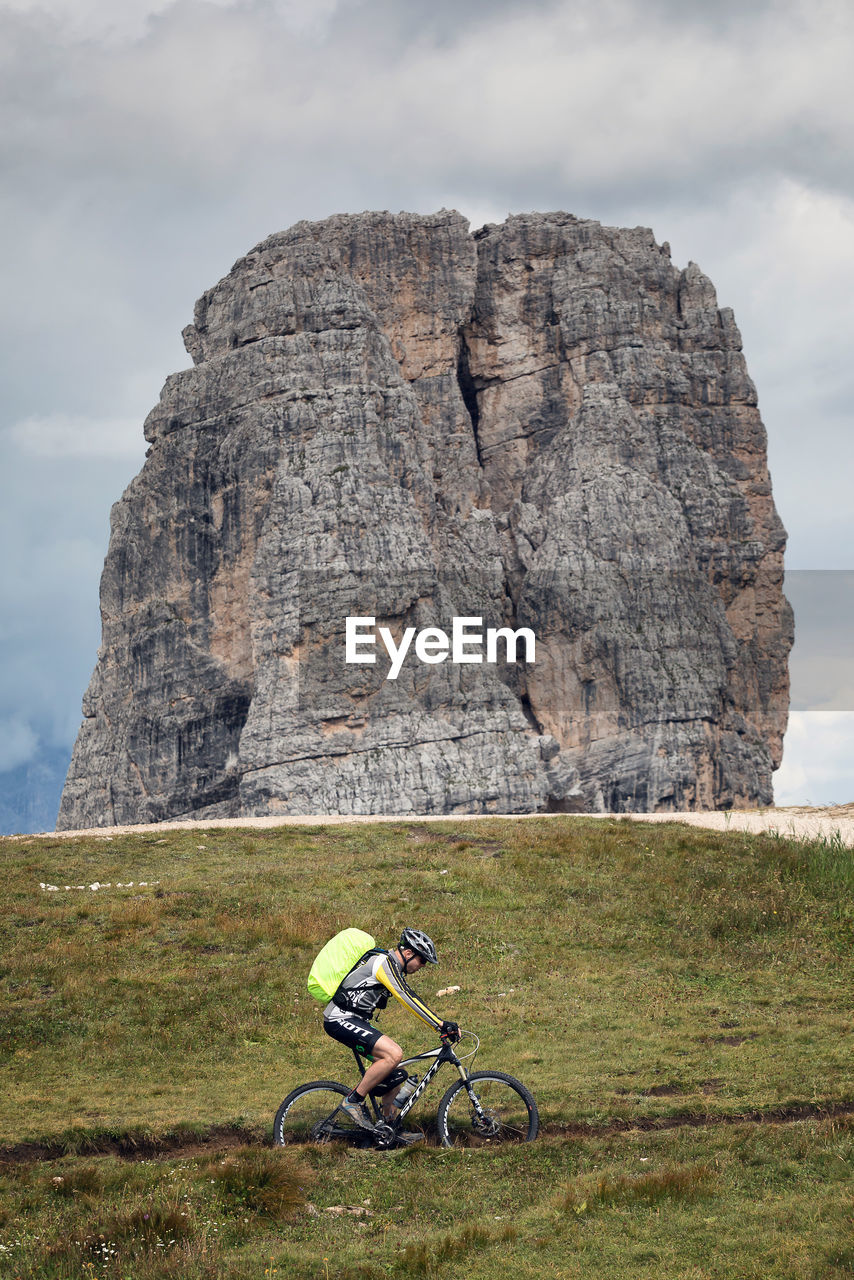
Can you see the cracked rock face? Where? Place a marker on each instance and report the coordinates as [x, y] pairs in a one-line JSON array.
[[542, 425]]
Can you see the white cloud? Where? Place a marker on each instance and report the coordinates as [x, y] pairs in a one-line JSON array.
[[618, 94], [62, 435], [18, 742], [798, 264], [818, 759], [781, 253]]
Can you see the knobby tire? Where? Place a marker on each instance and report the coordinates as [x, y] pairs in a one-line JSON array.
[[306, 1107], [510, 1112]]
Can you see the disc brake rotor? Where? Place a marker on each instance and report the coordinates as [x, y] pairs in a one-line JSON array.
[[486, 1126]]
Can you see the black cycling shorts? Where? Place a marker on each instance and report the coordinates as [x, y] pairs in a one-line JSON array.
[[354, 1031]]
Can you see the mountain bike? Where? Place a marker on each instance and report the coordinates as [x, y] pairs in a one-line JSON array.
[[481, 1107]]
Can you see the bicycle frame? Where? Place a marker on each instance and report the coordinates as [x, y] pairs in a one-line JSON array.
[[495, 1117], [444, 1054]]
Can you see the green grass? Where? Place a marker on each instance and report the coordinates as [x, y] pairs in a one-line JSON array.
[[727, 1202], [635, 977]]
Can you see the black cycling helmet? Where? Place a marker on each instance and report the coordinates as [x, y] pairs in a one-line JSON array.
[[418, 942]]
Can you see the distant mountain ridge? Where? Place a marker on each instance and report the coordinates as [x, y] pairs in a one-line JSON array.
[[544, 424]]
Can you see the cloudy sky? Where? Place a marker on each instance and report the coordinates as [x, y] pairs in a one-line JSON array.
[[146, 146]]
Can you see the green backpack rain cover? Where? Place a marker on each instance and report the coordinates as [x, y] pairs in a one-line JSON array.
[[335, 960]]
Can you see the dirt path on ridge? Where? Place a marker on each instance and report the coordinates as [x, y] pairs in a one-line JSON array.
[[800, 823]]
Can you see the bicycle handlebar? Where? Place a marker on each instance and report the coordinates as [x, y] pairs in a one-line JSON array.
[[463, 1035]]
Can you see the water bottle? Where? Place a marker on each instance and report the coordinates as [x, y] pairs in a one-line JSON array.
[[407, 1089]]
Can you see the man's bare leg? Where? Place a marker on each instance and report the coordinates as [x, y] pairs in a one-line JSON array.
[[387, 1055]]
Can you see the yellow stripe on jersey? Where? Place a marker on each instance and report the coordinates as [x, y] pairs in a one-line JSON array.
[[387, 978]]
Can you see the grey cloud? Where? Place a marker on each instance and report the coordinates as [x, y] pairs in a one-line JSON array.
[[441, 23], [722, 16], [60, 435], [138, 169], [53, 529], [603, 97]]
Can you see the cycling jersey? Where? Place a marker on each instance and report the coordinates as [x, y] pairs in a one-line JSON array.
[[367, 988]]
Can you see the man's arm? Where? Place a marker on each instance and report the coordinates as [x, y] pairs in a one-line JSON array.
[[389, 975]]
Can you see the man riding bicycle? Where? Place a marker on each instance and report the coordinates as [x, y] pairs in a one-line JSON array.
[[364, 991]]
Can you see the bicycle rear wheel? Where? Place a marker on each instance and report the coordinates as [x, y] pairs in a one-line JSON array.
[[310, 1114], [489, 1107]]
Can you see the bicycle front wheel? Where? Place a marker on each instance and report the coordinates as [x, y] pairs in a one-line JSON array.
[[489, 1107], [310, 1114]]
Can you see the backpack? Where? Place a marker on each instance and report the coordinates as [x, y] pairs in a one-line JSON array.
[[334, 961]]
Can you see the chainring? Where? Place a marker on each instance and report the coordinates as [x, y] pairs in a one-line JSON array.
[[384, 1135]]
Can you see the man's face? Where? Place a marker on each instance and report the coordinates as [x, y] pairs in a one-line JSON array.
[[411, 962]]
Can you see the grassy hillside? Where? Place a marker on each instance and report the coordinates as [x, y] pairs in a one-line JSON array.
[[635, 977]]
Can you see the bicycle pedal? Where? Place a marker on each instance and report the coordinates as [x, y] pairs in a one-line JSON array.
[[408, 1139]]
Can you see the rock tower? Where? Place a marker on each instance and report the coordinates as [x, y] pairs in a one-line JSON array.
[[544, 425]]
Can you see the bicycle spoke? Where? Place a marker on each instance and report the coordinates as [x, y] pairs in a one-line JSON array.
[[311, 1114], [486, 1108], [503, 1112]]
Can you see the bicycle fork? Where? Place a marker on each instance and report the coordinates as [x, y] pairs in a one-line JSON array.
[[446, 1055]]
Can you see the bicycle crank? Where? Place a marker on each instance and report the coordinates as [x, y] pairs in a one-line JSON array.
[[384, 1135]]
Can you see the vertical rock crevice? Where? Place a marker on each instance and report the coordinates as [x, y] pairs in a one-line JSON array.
[[468, 388]]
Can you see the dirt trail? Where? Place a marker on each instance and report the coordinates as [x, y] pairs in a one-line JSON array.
[[173, 1145], [836, 822]]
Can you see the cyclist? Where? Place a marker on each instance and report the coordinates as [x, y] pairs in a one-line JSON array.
[[364, 991]]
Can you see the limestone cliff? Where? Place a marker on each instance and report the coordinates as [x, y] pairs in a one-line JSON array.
[[544, 424]]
